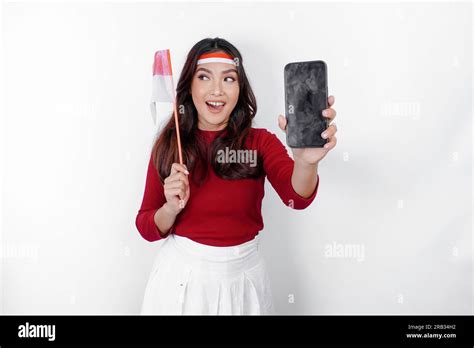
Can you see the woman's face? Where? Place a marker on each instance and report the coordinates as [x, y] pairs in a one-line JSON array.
[[218, 83]]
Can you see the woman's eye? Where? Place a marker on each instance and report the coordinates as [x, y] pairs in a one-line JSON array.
[[203, 77]]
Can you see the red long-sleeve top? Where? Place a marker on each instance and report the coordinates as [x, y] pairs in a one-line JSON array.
[[224, 212]]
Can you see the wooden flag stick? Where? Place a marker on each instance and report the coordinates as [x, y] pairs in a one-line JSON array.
[[178, 137], [177, 132], [176, 121]]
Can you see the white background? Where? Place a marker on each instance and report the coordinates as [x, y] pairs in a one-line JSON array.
[[77, 132]]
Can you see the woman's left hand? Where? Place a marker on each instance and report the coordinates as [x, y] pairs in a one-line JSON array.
[[312, 155]]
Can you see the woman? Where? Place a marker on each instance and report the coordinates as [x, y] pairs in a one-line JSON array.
[[208, 211]]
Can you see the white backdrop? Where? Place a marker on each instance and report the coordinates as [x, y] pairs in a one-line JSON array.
[[390, 229]]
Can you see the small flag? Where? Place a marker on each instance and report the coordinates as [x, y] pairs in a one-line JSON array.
[[162, 89]]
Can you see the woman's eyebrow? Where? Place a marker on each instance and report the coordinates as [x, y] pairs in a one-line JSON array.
[[210, 72]]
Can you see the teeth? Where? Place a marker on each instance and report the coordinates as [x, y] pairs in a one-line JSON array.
[[216, 103]]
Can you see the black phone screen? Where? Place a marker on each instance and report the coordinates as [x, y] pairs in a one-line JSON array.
[[306, 95]]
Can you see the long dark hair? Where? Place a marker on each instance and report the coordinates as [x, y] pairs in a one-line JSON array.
[[196, 153]]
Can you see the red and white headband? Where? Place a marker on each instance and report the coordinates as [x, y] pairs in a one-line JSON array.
[[216, 57]]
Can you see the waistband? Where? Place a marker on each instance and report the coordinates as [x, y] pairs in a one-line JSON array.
[[215, 259]]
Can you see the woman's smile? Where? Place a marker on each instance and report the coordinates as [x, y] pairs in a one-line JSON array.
[[215, 106]]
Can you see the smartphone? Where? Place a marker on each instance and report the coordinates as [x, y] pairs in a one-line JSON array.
[[306, 96]]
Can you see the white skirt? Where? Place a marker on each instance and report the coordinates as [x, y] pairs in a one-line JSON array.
[[193, 278]]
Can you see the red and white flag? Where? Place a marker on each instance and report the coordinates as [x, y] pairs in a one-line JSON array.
[[163, 86], [163, 90]]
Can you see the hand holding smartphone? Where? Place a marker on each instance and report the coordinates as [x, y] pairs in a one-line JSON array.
[[306, 96]]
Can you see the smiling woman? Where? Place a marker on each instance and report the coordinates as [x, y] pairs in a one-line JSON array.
[[218, 87], [209, 262]]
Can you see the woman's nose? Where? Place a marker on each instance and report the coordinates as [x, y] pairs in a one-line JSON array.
[[217, 87]]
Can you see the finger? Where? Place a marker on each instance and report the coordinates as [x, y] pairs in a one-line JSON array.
[[332, 142], [188, 193], [176, 184], [330, 131], [177, 177], [329, 113], [176, 167], [176, 192], [282, 122], [181, 194], [331, 100]]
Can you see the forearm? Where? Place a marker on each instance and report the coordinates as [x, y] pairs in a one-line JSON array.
[[304, 178], [164, 219]]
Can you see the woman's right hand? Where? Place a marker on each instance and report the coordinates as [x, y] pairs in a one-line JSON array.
[[176, 187]]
